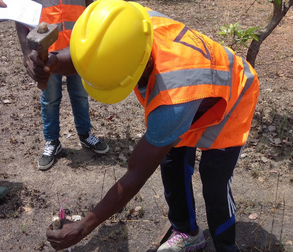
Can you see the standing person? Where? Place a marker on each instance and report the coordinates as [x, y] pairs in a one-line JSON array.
[[64, 14], [196, 94]]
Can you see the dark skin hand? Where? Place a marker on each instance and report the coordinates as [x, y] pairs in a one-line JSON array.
[[59, 63], [144, 160]]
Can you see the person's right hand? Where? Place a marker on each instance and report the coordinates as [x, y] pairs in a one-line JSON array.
[[70, 234], [39, 70], [2, 4]]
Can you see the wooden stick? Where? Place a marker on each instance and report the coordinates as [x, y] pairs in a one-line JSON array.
[[163, 233]]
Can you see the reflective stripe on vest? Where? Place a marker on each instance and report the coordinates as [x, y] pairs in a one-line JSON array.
[[64, 13], [49, 3], [190, 66]]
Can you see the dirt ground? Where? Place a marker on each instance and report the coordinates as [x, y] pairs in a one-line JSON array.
[[263, 179]]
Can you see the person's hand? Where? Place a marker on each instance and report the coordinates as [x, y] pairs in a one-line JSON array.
[[2, 4], [70, 234], [39, 70]]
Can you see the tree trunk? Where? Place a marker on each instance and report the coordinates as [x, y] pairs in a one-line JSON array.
[[279, 13]]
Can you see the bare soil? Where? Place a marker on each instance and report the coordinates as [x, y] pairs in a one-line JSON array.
[[263, 179]]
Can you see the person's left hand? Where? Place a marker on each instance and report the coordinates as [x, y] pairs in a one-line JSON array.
[[70, 234], [38, 70], [2, 4]]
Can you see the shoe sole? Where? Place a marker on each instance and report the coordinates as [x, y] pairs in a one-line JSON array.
[[96, 151], [46, 167]]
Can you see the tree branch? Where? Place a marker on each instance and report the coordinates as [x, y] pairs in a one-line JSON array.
[[278, 14]]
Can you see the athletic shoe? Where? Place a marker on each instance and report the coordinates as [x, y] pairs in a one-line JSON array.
[[52, 148], [179, 242], [90, 141]]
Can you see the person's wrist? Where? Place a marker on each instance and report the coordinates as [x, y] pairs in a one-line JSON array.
[[88, 224]]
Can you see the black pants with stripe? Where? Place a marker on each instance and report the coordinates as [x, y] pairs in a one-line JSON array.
[[216, 169]]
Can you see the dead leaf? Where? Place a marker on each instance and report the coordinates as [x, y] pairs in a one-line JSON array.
[[273, 171], [261, 179], [76, 217], [254, 141], [28, 209], [277, 141], [109, 118]]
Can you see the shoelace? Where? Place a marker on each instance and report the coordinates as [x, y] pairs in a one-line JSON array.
[[92, 139], [177, 236], [48, 149]]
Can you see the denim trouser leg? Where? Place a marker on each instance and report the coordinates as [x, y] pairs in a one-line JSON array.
[[79, 103], [216, 169], [50, 106], [177, 169]]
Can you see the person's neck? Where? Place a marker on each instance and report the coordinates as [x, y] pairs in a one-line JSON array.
[[143, 81]]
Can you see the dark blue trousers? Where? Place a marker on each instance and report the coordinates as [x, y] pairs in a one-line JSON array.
[[216, 169]]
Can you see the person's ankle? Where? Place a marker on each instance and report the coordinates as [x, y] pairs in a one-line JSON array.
[[194, 233]]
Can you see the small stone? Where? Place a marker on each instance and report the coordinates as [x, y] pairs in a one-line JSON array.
[[138, 208], [6, 101], [253, 216], [271, 128], [253, 123], [122, 157], [277, 141]]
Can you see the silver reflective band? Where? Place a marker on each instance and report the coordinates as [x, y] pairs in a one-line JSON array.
[[157, 14], [88, 83]]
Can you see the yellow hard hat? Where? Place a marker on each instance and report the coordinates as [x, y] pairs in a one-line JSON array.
[[110, 45]]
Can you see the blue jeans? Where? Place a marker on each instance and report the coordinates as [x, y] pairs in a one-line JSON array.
[[50, 106]]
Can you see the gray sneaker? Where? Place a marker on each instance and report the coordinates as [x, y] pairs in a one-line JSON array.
[[90, 141], [179, 242], [52, 148]]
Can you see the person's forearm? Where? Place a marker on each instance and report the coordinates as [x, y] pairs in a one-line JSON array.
[[143, 161], [115, 199], [22, 32], [66, 66]]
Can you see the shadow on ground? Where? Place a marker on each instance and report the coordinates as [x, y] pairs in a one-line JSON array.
[[250, 237]]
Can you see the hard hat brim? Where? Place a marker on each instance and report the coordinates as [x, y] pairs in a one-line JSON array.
[[107, 96]]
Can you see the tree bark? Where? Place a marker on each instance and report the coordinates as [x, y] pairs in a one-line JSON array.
[[278, 14]]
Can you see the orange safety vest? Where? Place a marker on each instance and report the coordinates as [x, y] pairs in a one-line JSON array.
[[64, 13], [190, 66]]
